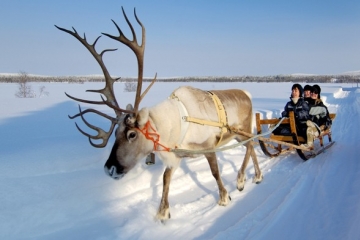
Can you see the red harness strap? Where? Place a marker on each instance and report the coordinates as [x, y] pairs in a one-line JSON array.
[[153, 136]]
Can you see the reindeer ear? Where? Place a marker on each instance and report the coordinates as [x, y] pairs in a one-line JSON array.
[[130, 119], [129, 107], [142, 116]]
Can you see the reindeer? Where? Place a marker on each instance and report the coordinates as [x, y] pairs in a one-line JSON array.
[[190, 119]]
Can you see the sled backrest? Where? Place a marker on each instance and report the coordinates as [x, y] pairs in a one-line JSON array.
[[291, 121]]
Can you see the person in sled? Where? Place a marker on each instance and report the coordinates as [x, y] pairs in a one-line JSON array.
[[319, 117], [307, 93], [300, 107]]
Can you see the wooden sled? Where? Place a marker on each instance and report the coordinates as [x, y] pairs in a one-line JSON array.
[[279, 144]]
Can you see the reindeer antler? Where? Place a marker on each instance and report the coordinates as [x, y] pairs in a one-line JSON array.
[[136, 48], [108, 90]]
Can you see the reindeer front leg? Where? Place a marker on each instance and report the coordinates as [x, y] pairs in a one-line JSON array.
[[164, 211]]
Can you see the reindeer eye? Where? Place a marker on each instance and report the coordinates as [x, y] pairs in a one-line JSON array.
[[131, 135]]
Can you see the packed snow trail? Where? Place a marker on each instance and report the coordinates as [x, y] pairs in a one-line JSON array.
[[54, 188]]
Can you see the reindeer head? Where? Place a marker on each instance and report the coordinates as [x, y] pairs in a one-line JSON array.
[[130, 145]]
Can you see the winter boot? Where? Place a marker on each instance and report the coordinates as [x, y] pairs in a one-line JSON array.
[[311, 133]]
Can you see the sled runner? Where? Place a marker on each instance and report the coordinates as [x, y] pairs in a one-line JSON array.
[[279, 144]]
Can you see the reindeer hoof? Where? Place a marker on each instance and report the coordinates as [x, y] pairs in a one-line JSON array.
[[163, 217], [224, 201], [164, 221], [258, 180], [241, 185], [240, 188]]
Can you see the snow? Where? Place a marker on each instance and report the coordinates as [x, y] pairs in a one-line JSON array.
[[53, 185]]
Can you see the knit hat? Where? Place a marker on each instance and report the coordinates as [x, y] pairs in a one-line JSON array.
[[316, 89], [298, 86], [308, 88]]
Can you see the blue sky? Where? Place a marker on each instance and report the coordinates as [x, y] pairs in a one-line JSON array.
[[184, 38]]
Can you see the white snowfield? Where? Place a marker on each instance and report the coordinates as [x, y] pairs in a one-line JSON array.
[[53, 185]]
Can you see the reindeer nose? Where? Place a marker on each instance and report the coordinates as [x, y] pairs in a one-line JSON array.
[[112, 172]]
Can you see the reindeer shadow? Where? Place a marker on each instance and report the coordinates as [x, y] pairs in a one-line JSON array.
[[185, 167], [45, 138], [27, 132]]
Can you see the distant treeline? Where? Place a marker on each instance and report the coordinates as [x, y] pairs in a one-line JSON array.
[[277, 78]]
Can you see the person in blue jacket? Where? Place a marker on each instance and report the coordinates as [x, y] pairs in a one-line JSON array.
[[300, 107]]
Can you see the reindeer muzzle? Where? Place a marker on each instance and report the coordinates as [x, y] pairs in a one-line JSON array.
[[112, 172]]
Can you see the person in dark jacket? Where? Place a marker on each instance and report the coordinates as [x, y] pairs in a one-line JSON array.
[[300, 109], [307, 93], [319, 117]]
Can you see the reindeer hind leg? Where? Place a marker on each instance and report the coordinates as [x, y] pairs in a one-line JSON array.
[[241, 177], [224, 196], [258, 175]]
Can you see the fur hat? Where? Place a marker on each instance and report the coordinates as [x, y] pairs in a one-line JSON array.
[[298, 86], [308, 88], [316, 88]]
